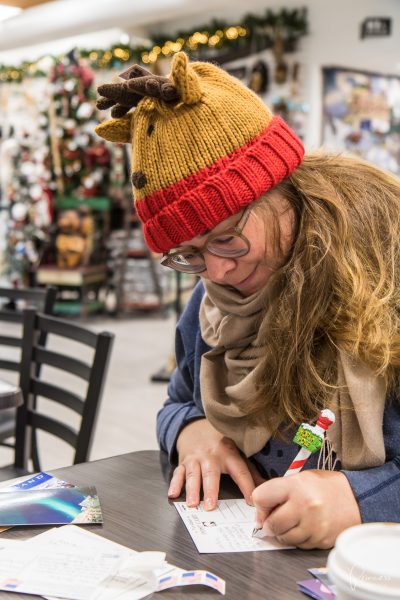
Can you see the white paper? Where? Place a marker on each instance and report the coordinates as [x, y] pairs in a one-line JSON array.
[[228, 528], [69, 562], [65, 573], [76, 564], [124, 582]]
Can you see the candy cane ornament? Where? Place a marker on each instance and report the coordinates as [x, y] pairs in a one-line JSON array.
[[311, 439]]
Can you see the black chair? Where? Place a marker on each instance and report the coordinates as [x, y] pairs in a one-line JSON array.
[[12, 303], [41, 373]]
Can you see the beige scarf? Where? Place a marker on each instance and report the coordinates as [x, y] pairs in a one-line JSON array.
[[230, 324]]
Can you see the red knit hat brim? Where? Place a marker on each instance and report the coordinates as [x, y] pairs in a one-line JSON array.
[[199, 202]]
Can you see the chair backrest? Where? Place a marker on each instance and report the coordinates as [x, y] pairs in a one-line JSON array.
[[42, 375], [12, 303]]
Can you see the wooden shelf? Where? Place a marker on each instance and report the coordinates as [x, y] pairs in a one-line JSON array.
[[130, 306], [138, 279], [77, 308], [52, 275], [78, 289], [136, 254]]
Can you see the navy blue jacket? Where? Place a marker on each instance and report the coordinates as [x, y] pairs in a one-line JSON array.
[[377, 490]]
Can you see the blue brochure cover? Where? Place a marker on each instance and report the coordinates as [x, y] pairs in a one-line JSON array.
[[58, 506], [38, 481]]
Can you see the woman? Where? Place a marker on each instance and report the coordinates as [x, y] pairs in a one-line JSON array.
[[297, 309]]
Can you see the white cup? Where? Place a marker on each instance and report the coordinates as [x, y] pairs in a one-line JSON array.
[[365, 563]]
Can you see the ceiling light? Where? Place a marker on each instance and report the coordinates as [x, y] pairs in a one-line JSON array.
[[124, 39]]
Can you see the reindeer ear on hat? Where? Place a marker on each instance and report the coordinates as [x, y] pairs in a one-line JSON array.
[[185, 79], [116, 130]]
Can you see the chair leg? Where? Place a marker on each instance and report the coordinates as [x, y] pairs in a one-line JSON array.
[[35, 453]]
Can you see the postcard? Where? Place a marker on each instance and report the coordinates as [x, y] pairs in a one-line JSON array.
[[228, 528], [50, 506]]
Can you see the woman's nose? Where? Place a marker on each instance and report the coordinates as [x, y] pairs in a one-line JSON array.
[[217, 267]]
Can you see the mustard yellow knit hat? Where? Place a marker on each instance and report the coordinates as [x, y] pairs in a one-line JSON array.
[[203, 147]]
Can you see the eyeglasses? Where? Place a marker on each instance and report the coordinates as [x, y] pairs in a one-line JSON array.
[[226, 244]]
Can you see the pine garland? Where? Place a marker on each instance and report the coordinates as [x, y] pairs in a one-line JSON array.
[[218, 40]]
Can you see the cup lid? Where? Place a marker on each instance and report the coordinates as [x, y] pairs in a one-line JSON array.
[[366, 557]]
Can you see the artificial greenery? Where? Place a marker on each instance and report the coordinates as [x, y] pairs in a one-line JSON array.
[[213, 40]]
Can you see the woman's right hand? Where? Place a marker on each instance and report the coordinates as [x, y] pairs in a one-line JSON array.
[[204, 455]]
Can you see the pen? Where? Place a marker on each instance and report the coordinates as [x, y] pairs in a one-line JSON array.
[[310, 438]]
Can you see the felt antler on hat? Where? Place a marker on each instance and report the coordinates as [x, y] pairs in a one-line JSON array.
[[203, 147], [139, 83], [183, 85]]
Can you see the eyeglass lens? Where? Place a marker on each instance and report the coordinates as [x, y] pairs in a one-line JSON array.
[[230, 245]]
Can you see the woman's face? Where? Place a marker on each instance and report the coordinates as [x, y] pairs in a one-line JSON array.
[[270, 233]]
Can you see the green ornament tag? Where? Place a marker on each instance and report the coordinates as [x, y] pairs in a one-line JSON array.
[[307, 439]]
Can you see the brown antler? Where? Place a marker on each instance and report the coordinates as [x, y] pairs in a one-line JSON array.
[[154, 86], [119, 111], [139, 83], [134, 71], [104, 103]]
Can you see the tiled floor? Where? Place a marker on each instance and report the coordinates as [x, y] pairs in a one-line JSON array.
[[130, 403]]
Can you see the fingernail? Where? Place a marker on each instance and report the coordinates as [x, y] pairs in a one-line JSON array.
[[208, 503], [190, 500], [172, 491], [267, 529]]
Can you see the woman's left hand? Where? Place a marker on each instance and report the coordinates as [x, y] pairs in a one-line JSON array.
[[307, 510]]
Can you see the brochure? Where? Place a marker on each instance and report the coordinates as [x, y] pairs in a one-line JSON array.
[[50, 506], [39, 481]]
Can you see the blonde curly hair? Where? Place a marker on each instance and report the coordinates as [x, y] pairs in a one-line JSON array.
[[340, 287]]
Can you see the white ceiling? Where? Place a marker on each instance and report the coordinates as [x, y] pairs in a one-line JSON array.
[[58, 25], [63, 18]]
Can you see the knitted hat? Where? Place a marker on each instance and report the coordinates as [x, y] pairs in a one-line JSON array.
[[204, 146]]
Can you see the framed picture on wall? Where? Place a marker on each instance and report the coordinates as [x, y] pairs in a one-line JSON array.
[[361, 115]]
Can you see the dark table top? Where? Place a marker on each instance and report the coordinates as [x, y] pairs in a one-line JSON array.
[[133, 494], [10, 395]]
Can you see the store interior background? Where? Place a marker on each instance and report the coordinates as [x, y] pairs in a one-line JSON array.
[[144, 339]]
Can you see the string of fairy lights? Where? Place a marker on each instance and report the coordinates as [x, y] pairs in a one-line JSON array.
[[255, 32], [192, 43]]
